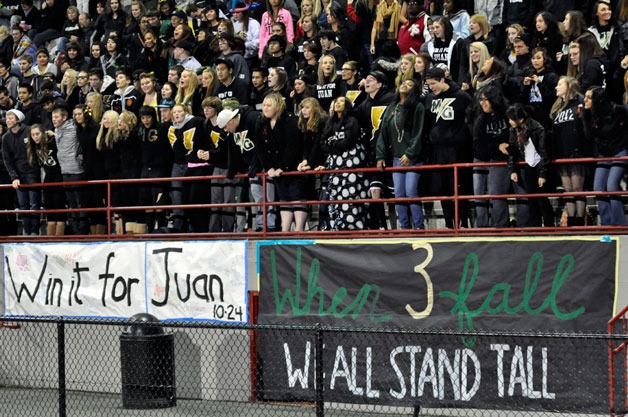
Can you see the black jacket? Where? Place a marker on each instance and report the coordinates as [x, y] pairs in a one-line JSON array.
[[243, 155], [14, 154], [518, 139], [609, 134], [280, 147], [488, 132], [568, 138]]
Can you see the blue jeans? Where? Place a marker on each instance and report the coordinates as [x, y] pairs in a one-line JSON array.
[[176, 195], [491, 180], [407, 186], [608, 176], [257, 193], [29, 199], [44, 36]]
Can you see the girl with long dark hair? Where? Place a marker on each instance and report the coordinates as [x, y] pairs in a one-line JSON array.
[[593, 65], [341, 141], [443, 47], [547, 34], [113, 20], [490, 129], [93, 163], [606, 125], [42, 150], [399, 139], [527, 143]]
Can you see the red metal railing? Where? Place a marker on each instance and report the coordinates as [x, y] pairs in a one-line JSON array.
[[620, 320], [456, 198]]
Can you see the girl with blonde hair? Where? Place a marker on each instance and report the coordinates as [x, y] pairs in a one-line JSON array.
[[69, 89], [95, 106], [312, 121], [478, 55], [126, 153], [280, 149], [186, 93], [208, 82], [108, 130], [569, 141], [512, 32], [406, 69]]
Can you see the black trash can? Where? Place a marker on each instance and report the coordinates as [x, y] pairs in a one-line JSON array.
[[147, 361]]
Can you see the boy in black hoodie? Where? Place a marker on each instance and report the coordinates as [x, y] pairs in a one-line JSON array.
[[448, 135], [21, 171]]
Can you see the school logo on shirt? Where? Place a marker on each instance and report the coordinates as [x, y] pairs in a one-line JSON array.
[[376, 118], [153, 135], [243, 141], [353, 95], [215, 137], [442, 108], [187, 137]]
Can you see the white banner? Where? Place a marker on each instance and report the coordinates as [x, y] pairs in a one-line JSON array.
[[171, 280]]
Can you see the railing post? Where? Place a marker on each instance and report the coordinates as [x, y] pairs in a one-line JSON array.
[[456, 205], [61, 364], [320, 381], [108, 208], [264, 207]]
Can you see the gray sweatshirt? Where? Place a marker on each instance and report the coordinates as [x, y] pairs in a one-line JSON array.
[[68, 148]]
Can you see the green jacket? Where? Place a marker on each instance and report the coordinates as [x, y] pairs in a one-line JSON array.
[[393, 139]]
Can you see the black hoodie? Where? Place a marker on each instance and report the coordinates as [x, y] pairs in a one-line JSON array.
[[14, 154], [369, 114], [568, 138], [242, 157], [520, 11], [446, 115]]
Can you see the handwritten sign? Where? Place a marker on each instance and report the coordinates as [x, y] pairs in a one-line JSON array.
[[501, 285], [174, 280]]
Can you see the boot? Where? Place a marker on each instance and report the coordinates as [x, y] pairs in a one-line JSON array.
[[140, 229], [578, 221], [60, 229], [571, 221], [129, 228], [119, 224], [51, 229], [101, 229], [93, 229]]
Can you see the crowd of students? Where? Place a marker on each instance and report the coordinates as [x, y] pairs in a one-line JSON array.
[[193, 89]]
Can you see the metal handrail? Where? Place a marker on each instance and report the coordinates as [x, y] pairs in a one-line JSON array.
[[456, 198]]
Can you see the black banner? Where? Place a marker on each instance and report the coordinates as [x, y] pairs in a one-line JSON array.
[[501, 285]]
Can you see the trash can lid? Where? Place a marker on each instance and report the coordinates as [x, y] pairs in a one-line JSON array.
[[141, 330]]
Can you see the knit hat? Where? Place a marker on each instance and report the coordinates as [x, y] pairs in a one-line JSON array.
[[20, 116], [232, 103]]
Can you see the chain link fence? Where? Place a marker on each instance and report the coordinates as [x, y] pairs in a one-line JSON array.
[[106, 368]]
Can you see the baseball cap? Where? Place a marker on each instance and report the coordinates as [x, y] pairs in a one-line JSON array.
[[225, 116]]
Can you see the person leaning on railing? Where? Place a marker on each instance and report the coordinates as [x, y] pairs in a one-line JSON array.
[[280, 149]]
